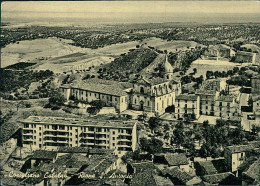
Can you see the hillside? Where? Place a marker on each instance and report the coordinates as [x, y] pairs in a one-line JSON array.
[[135, 60]]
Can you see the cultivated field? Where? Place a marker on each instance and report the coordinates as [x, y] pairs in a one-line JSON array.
[[59, 56]]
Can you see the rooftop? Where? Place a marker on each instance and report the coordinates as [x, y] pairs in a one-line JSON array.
[[73, 150], [183, 176], [188, 97], [143, 166], [226, 98], [253, 171], [226, 178], [176, 159], [44, 154], [108, 87], [245, 53], [244, 148], [79, 121]]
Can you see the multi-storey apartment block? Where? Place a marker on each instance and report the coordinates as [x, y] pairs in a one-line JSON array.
[[52, 132], [111, 92], [155, 94], [187, 104], [227, 107], [208, 93]]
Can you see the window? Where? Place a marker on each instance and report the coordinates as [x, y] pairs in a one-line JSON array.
[[114, 132], [141, 89], [113, 144], [40, 128], [135, 101], [114, 138], [115, 99], [148, 103]]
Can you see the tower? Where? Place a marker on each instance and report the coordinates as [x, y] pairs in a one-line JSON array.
[[168, 69]]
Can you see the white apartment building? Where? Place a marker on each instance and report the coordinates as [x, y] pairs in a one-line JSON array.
[[53, 132], [187, 104]]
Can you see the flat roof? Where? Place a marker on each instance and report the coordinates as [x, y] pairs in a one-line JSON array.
[[79, 122]]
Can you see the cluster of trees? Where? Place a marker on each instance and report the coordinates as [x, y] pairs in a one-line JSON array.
[[136, 59], [96, 106], [11, 81], [183, 59], [56, 100]]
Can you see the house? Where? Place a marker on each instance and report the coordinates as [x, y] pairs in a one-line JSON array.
[[173, 160], [112, 93], [238, 154], [53, 132], [77, 150], [150, 178], [42, 156], [210, 167], [154, 94], [227, 107], [207, 101], [226, 178], [98, 166], [181, 177], [245, 57], [138, 167], [187, 104]]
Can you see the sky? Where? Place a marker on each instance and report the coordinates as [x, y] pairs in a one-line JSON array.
[[135, 6], [95, 9]]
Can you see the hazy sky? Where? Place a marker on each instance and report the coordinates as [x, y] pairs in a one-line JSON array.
[[132, 11], [135, 6]]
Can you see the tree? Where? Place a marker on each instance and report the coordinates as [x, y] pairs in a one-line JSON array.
[[179, 136], [92, 110], [250, 102], [56, 99], [99, 104], [128, 155], [151, 146], [194, 71], [154, 122]]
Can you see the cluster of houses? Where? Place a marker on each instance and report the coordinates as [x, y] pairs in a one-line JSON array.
[[84, 166]]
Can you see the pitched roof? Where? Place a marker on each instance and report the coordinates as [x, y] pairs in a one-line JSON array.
[[226, 98], [72, 150], [245, 53], [44, 154], [143, 166], [100, 151], [102, 86], [152, 81], [181, 175], [208, 167], [144, 178], [245, 165], [243, 148], [253, 171], [161, 181], [174, 159], [222, 178], [188, 97]]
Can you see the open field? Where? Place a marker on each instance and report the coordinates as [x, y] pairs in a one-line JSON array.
[[59, 56], [35, 50], [203, 66]]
